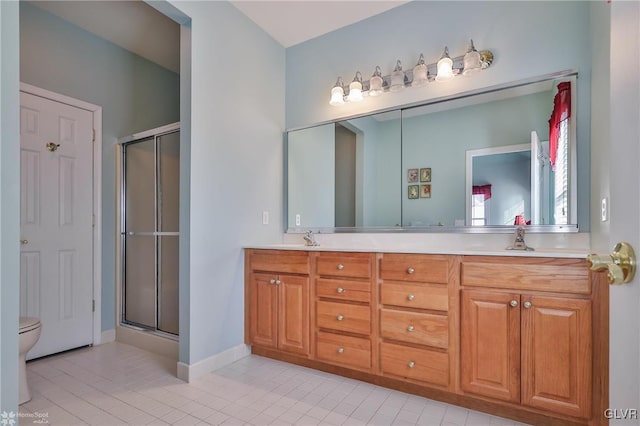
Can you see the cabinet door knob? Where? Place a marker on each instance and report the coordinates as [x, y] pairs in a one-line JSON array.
[[411, 364], [272, 281], [278, 282], [340, 266], [410, 297], [340, 317], [410, 270], [410, 328], [527, 304], [513, 303], [340, 290], [340, 350]]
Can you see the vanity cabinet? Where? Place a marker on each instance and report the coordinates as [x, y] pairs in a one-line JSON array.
[[531, 348], [344, 318], [278, 296], [522, 337], [414, 321]]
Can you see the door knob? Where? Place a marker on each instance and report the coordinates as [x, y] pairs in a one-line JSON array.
[[621, 263], [23, 242], [53, 147]]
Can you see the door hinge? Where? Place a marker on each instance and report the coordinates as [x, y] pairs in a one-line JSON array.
[[93, 138], [93, 305], [93, 220]]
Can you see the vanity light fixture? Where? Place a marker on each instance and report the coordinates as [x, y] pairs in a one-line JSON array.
[[337, 93], [445, 69], [355, 88], [397, 78], [375, 83], [471, 61], [420, 73], [445, 66]]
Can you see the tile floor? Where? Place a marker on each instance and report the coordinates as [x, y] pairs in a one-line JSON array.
[[118, 384]]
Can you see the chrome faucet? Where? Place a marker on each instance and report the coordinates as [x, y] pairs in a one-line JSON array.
[[518, 243], [310, 239]]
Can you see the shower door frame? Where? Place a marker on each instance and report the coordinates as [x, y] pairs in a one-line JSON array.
[[156, 133]]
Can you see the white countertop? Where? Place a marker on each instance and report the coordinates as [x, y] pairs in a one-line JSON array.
[[554, 252], [562, 245]]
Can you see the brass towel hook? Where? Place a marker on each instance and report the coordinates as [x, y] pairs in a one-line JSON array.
[[621, 263]]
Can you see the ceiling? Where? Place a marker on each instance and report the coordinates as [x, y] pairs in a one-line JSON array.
[[292, 22], [132, 25], [139, 28]]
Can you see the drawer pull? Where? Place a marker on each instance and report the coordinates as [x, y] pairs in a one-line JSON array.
[[340, 290], [340, 350], [340, 317], [340, 266], [410, 328], [513, 303], [410, 297], [410, 270], [527, 305], [411, 364], [272, 281]]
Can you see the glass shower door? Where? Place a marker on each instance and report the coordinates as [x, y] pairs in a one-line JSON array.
[[150, 232]]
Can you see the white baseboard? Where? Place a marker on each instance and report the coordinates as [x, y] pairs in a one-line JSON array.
[[107, 336], [190, 372]]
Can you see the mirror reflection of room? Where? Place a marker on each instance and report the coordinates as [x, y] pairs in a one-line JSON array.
[[489, 158]]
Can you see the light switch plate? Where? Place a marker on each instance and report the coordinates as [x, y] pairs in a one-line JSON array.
[[265, 217], [604, 210]]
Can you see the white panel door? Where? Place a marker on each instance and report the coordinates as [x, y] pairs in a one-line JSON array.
[[56, 216]]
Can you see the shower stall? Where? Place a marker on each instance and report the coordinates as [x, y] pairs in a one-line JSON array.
[[149, 229]]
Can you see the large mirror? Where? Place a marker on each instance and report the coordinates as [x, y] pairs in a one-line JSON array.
[[477, 162]]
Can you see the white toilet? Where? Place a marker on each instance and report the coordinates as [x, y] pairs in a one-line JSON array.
[[29, 334]]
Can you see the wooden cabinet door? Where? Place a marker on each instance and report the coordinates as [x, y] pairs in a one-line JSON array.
[[264, 310], [490, 344], [556, 354], [293, 329]]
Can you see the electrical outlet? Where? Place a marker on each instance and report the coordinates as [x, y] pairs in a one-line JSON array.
[[265, 218], [297, 220], [604, 210]]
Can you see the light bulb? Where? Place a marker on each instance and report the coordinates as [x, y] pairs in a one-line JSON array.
[[420, 73], [355, 89], [445, 67], [397, 78], [375, 83], [471, 61], [337, 93]]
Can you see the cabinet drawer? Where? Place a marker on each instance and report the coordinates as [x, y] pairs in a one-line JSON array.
[[354, 265], [344, 317], [355, 291], [416, 364], [421, 296], [544, 274], [415, 267], [344, 350], [292, 262], [423, 329]]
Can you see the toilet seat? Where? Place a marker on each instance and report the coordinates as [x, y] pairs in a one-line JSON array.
[[28, 324]]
